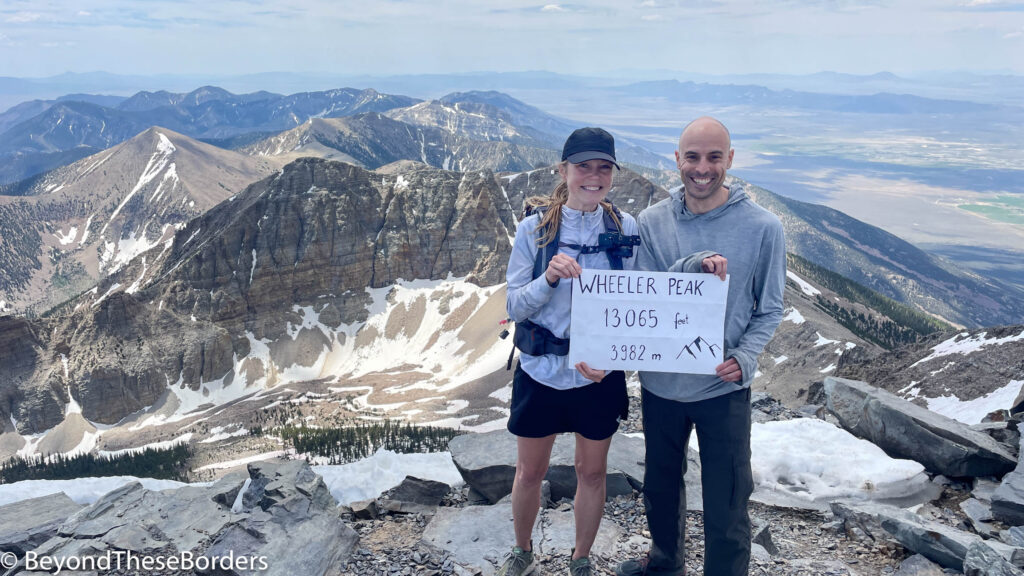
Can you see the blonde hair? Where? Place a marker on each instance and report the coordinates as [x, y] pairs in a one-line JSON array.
[[552, 215]]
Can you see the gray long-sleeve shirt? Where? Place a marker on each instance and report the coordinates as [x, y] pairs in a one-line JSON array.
[[534, 298], [751, 238]]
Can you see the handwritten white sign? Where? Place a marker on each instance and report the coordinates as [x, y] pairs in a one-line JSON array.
[[657, 321]]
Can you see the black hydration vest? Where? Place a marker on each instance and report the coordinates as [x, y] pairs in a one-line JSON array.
[[535, 340]]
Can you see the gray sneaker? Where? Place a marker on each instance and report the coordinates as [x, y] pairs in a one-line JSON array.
[[581, 567], [519, 562]]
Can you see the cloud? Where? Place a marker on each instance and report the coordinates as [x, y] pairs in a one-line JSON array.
[[651, 17], [992, 6], [553, 8], [1014, 34], [649, 4], [23, 17], [84, 13]]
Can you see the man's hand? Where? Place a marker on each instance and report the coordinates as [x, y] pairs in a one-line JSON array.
[[589, 373], [562, 266], [729, 371], [716, 265]]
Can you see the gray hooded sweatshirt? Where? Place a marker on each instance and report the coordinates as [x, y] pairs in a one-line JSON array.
[[751, 239]]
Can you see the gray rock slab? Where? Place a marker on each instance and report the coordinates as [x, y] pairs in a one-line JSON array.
[[759, 554], [481, 536], [487, 463], [979, 515], [287, 517], [905, 430], [415, 490], [831, 567], [1014, 536], [981, 560], [365, 509], [918, 565], [983, 489], [1008, 498], [938, 542], [762, 536], [476, 535], [28, 523]]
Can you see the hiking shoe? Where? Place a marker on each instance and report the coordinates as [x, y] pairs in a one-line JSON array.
[[519, 562], [581, 567], [632, 567]]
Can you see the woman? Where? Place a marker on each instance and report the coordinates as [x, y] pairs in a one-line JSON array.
[[549, 396]]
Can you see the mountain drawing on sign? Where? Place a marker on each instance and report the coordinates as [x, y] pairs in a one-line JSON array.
[[699, 346]]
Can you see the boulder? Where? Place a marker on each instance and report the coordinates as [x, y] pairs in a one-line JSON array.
[[984, 561], [365, 509], [979, 516], [284, 517], [415, 496], [487, 463], [918, 565], [1008, 498], [761, 535], [1004, 432], [1013, 536], [28, 523], [905, 430], [938, 542], [481, 536]]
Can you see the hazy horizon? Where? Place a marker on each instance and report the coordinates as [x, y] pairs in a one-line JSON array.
[[601, 38]]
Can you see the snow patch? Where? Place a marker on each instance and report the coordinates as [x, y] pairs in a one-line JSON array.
[[972, 411], [815, 461], [967, 345], [369, 477], [243, 461], [823, 341], [183, 439], [803, 284], [68, 238], [794, 316], [81, 490]]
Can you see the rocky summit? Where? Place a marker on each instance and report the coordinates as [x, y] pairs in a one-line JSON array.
[[279, 517]]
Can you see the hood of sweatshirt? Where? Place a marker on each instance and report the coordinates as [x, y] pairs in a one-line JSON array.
[[736, 195]]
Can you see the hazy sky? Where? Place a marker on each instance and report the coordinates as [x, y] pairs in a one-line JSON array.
[[46, 37]]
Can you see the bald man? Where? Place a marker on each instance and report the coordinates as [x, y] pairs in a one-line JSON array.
[[705, 214]]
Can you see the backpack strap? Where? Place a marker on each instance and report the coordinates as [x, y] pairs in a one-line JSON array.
[[611, 225], [547, 252]]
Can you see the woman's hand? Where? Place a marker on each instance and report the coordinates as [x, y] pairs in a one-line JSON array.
[[562, 266], [589, 373]]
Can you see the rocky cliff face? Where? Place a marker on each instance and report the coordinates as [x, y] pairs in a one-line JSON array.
[[206, 306]]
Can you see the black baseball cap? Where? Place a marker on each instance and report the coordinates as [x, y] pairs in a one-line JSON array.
[[589, 144]]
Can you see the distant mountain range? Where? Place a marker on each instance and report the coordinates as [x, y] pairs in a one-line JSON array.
[[43, 135], [30, 146], [726, 95]]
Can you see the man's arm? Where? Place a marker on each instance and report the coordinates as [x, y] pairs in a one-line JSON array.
[[768, 288], [646, 259]]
